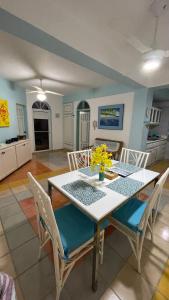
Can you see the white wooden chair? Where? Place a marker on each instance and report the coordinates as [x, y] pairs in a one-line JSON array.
[[134, 157], [135, 216], [70, 231], [79, 159], [154, 213]]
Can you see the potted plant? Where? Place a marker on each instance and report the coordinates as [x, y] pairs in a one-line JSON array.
[[102, 159]]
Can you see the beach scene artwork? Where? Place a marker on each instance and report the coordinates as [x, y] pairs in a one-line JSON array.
[[111, 117]]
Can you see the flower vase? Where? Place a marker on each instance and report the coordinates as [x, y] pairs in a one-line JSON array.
[[101, 176]]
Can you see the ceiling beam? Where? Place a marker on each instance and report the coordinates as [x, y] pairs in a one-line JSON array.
[[26, 31]]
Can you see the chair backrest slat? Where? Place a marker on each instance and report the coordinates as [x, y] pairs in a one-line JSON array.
[[79, 159], [45, 210], [153, 199], [137, 158]]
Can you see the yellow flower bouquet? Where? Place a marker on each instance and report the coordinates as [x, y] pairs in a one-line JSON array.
[[102, 159]]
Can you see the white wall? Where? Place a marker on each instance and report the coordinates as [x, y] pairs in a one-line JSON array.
[[56, 105], [120, 135]]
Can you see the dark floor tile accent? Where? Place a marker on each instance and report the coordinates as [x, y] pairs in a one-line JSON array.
[[120, 243], [38, 281], [26, 255], [7, 201], [20, 235], [10, 223], [79, 282], [112, 264], [10, 210]]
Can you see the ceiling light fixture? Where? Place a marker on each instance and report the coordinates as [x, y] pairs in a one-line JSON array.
[[41, 96], [151, 65]]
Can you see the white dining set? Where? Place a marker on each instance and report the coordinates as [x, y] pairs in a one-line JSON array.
[[78, 227]]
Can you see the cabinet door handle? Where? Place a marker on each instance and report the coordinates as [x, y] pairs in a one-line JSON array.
[[23, 145], [3, 152]]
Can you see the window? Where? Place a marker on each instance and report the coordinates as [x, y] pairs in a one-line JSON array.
[[41, 105]]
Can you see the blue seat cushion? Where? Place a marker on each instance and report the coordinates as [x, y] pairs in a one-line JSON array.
[[75, 227], [130, 213]]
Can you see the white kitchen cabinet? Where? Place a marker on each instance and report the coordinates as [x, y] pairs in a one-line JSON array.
[[157, 150], [152, 157], [23, 153], [8, 162], [161, 152], [14, 156], [154, 115]]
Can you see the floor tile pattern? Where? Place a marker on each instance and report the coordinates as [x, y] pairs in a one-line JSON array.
[[118, 278]]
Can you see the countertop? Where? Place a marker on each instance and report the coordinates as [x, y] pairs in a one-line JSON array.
[[5, 146], [157, 140]]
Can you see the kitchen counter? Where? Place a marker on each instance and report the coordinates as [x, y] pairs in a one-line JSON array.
[[13, 156], [5, 146], [155, 141]]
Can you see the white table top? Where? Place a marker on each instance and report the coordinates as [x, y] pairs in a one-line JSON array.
[[108, 203]]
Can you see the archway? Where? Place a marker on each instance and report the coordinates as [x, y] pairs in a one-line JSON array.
[[42, 125], [83, 125]]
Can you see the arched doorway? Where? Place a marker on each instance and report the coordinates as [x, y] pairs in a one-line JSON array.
[[42, 126], [83, 125]]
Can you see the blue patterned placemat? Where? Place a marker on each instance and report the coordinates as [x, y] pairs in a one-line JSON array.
[[125, 186], [84, 192], [87, 171], [126, 167]]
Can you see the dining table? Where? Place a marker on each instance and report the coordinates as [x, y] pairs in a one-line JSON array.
[[98, 199]]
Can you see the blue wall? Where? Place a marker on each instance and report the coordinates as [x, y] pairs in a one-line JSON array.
[[138, 134], [14, 94], [98, 92], [143, 98]]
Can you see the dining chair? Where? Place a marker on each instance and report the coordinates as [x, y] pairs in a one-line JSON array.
[[155, 210], [79, 159], [135, 216], [134, 157], [70, 231]]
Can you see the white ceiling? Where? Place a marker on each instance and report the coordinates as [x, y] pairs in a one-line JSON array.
[[100, 29], [24, 63]]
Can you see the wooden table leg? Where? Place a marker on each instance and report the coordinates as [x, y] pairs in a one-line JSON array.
[[50, 189], [96, 257]]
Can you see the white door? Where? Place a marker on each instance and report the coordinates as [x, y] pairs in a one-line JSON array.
[[42, 129], [68, 125], [21, 119], [84, 127]]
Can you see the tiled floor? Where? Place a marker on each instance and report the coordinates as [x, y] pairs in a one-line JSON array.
[[118, 278], [52, 159]]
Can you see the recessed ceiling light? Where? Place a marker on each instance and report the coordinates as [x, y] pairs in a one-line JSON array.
[[151, 65], [41, 96]]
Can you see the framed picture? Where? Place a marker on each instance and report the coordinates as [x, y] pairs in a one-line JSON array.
[[4, 113], [111, 117]]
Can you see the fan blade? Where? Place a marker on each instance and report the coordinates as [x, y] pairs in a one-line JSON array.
[[31, 92], [137, 44], [37, 87], [54, 93], [166, 53]]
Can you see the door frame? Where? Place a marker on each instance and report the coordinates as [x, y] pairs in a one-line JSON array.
[[78, 126], [50, 140]]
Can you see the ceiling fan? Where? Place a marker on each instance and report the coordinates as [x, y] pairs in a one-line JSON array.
[[152, 56], [41, 93]]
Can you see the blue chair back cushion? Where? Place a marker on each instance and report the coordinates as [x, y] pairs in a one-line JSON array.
[[75, 228], [130, 213]]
